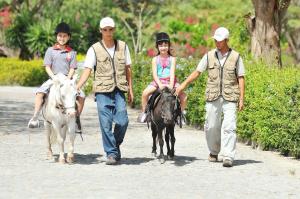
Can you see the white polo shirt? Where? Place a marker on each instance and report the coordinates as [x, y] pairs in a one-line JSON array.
[[240, 69], [90, 59]]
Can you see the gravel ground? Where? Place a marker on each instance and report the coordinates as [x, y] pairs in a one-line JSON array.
[[25, 172]]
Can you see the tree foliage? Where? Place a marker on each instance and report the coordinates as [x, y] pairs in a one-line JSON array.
[[189, 24], [137, 16], [26, 13]]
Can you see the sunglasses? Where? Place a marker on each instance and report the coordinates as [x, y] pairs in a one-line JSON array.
[[107, 29]]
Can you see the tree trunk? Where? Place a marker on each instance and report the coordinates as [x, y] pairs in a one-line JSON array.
[[265, 29], [293, 38], [292, 33], [296, 39]]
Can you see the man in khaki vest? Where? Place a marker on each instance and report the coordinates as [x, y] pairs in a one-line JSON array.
[[224, 92], [110, 60]]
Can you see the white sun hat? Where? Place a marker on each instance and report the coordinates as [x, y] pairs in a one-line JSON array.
[[107, 21], [221, 33]]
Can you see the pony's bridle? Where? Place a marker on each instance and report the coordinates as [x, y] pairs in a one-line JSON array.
[[60, 105]]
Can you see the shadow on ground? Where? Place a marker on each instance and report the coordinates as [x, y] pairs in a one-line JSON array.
[[135, 160], [244, 162], [184, 160], [87, 158], [14, 116], [84, 159]]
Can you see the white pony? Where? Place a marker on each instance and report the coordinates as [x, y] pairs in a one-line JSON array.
[[59, 115]]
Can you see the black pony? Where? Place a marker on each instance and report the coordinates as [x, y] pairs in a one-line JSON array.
[[163, 112]]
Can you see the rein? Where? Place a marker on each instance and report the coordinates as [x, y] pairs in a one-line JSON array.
[[60, 106]]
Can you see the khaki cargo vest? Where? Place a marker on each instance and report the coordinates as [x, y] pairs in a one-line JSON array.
[[109, 73], [222, 80]]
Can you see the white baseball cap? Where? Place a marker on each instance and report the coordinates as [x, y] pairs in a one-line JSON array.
[[221, 33], [107, 21]]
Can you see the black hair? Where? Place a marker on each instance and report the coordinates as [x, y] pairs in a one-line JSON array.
[[63, 27]]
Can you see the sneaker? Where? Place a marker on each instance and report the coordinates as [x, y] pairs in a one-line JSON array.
[[142, 118], [212, 158], [111, 160], [227, 163], [33, 123]]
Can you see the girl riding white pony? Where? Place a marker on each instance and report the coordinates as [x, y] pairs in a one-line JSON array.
[[59, 115]]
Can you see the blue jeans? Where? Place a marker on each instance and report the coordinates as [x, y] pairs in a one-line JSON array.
[[112, 108]]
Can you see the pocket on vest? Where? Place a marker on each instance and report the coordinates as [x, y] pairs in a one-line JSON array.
[[121, 60], [211, 93], [231, 93], [104, 65], [103, 84], [123, 82], [230, 73], [213, 72]]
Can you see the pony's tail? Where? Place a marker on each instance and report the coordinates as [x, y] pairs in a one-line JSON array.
[[53, 136]]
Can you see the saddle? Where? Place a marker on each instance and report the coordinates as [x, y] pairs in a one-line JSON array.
[[152, 102]]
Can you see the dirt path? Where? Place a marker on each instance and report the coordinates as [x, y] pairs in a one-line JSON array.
[[24, 172]]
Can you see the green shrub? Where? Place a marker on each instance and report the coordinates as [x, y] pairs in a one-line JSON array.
[[141, 76], [23, 73], [195, 92], [271, 115]]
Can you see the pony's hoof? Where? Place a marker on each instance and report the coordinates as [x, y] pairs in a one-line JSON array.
[[162, 160], [62, 161], [153, 154], [70, 159], [49, 155], [170, 157]]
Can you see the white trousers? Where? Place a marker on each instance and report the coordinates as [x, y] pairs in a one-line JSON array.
[[221, 136]]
